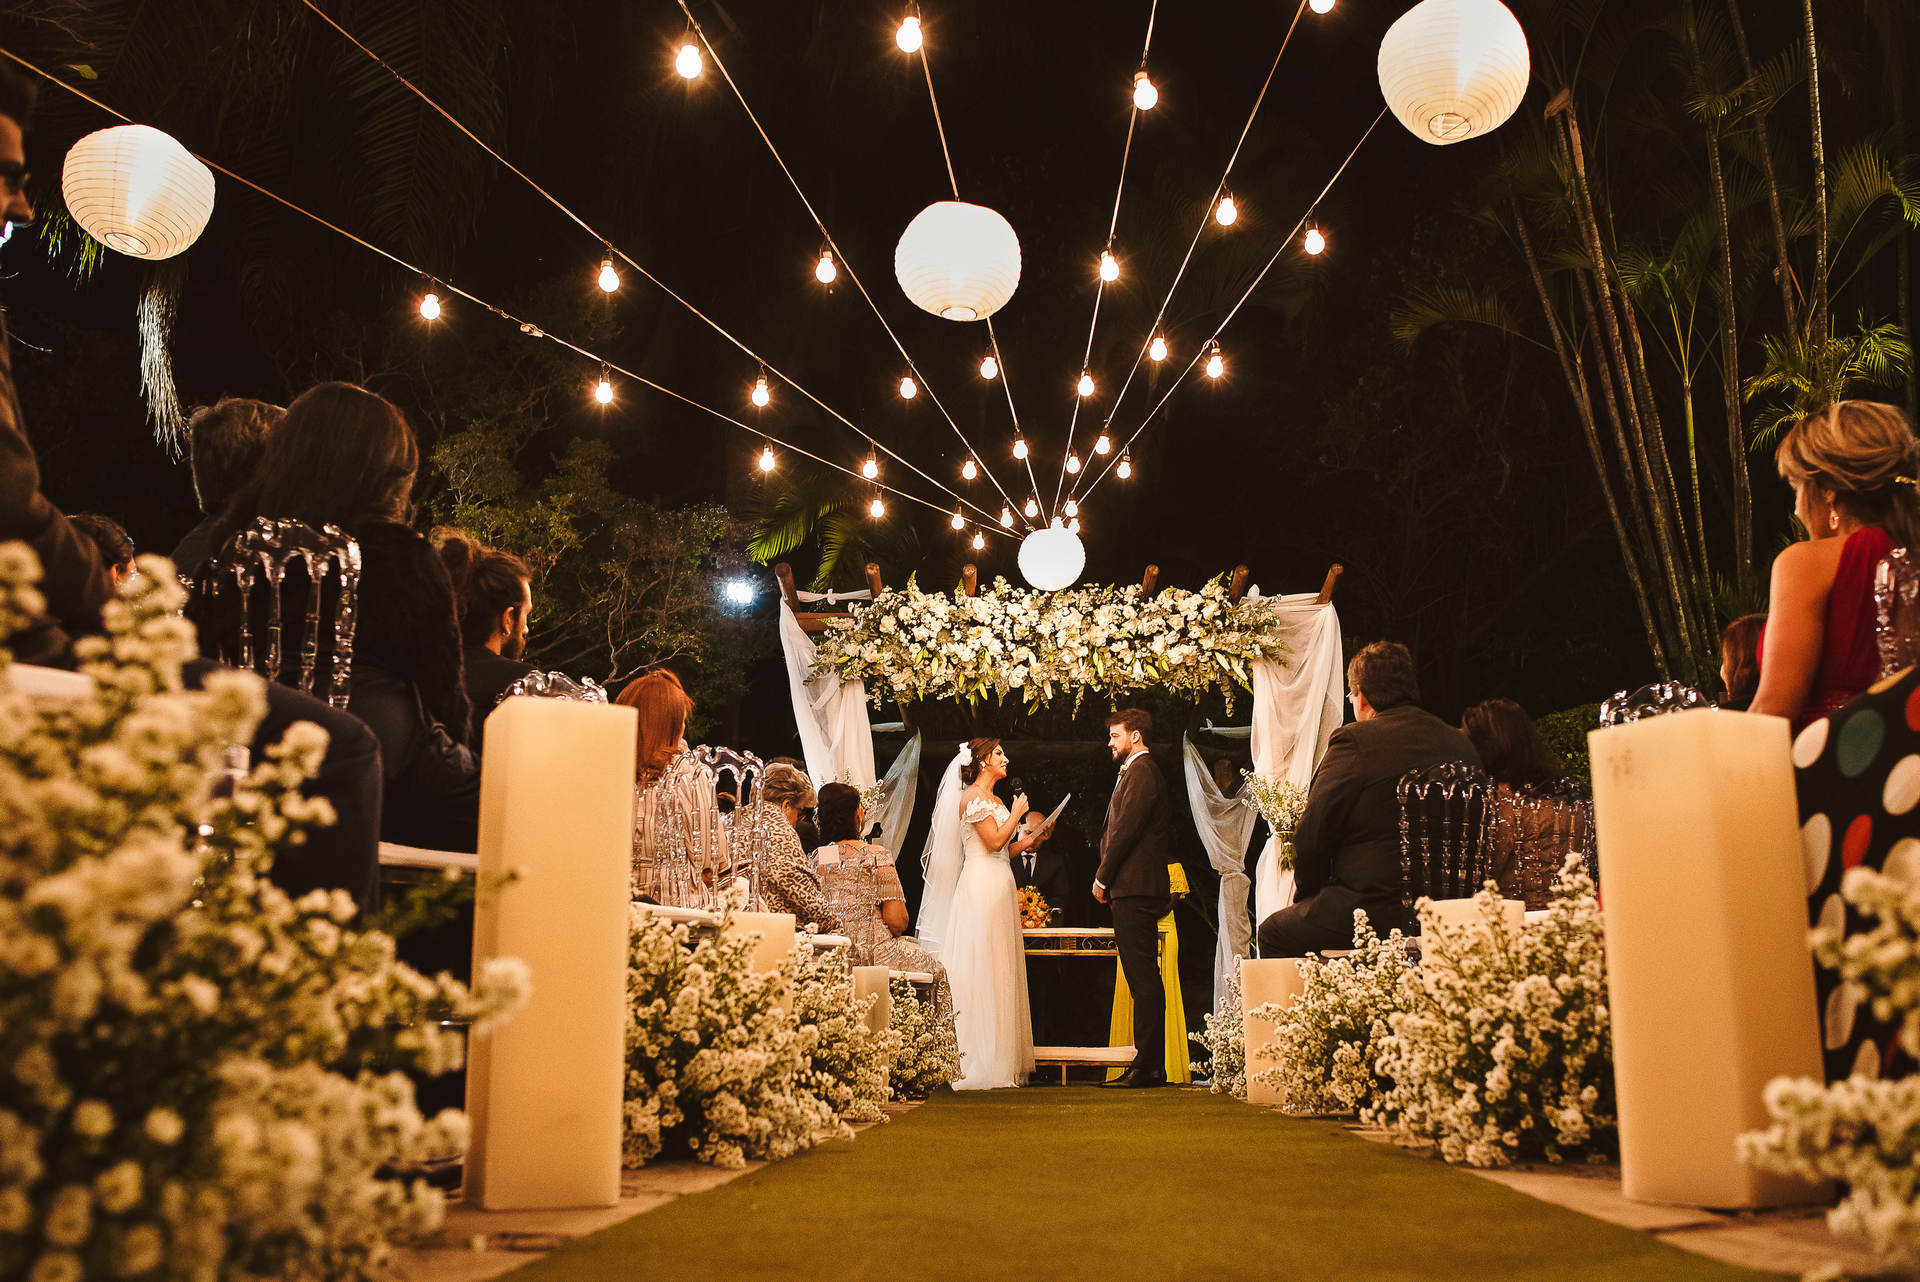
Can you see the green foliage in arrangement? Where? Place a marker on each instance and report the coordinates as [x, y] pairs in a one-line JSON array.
[[1565, 735]]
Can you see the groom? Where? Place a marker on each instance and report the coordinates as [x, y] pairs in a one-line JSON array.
[[1134, 853]]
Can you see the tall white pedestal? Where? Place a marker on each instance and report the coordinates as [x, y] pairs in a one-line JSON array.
[[1264, 980], [1709, 973], [872, 981], [544, 1089]]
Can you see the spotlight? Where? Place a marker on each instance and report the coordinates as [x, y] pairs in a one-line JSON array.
[[737, 591], [989, 368], [908, 36], [1157, 349], [609, 278], [908, 389], [1144, 94], [430, 306], [1104, 445], [689, 63], [1226, 211], [824, 271]]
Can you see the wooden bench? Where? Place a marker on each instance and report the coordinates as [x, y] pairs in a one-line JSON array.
[[1065, 1057]]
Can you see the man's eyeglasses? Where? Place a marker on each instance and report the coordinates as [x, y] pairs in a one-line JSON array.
[[13, 176]]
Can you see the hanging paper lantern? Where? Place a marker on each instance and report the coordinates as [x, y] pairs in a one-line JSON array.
[[1052, 559], [137, 191], [958, 260], [1454, 69]]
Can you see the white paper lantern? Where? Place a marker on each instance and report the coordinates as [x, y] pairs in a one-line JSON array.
[[958, 260], [1454, 69], [137, 191], [1052, 559]]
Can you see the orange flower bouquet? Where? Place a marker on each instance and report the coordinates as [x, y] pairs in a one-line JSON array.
[[1034, 912]]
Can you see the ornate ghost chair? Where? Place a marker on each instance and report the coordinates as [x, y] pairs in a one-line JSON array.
[[1446, 816], [1896, 600], [1536, 828], [282, 599]]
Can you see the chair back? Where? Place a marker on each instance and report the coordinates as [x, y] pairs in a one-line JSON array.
[[1446, 815], [1896, 611], [556, 685], [748, 825], [852, 888], [291, 593], [1542, 825]]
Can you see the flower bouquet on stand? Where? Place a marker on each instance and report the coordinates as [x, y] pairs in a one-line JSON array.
[[1035, 912], [1281, 803]]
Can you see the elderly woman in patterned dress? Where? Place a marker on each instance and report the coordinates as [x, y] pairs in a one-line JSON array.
[[788, 883], [864, 889]]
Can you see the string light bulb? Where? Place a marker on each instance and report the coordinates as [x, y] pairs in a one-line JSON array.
[[1109, 266], [688, 62], [1085, 385], [824, 271], [1006, 518], [1320, 6], [1103, 444], [766, 459], [1020, 447], [1216, 366], [989, 368], [1073, 526], [969, 470], [609, 278], [1071, 508], [1073, 464], [1157, 349], [979, 540], [957, 521], [877, 508], [430, 306], [871, 468], [1145, 95], [1032, 509], [1314, 241], [908, 388], [761, 393], [1125, 469], [1226, 211], [603, 390], [908, 36]]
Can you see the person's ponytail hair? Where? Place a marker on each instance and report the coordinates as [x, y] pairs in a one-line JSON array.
[[487, 582], [1865, 453], [980, 749]]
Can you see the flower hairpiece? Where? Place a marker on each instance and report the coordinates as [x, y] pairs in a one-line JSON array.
[[966, 754]]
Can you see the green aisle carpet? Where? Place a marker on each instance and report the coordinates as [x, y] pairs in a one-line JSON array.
[[1069, 1183]]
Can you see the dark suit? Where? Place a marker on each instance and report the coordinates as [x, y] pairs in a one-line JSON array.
[[488, 675], [1347, 848], [1135, 850], [1049, 877]]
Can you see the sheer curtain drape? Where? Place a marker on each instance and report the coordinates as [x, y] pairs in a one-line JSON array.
[[1225, 828], [1296, 709]]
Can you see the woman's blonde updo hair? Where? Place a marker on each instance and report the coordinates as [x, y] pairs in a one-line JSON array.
[[1866, 454], [785, 786]]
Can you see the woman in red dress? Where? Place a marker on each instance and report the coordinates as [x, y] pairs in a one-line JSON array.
[[1852, 467]]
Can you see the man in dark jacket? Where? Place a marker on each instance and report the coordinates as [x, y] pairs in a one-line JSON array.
[[1134, 853], [1347, 848], [1045, 870]]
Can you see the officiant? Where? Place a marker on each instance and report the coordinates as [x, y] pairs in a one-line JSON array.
[[1045, 870]]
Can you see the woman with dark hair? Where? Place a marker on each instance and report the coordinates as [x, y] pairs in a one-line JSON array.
[[1740, 661], [112, 541], [345, 456], [1538, 817], [1509, 745], [1852, 467], [680, 846], [863, 888], [493, 592]]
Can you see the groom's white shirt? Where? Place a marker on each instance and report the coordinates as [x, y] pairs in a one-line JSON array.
[[1131, 758]]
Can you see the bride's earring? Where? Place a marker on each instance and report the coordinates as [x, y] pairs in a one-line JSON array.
[[1833, 519]]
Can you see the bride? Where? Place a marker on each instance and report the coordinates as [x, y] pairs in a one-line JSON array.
[[970, 918]]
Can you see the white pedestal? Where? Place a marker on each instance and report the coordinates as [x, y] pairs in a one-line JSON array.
[[871, 981], [774, 942], [1709, 974], [544, 1089], [1462, 916], [1264, 980]]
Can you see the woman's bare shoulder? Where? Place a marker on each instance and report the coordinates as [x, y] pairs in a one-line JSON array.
[[1808, 561]]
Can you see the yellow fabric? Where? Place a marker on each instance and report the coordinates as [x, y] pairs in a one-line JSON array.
[[1120, 1032]]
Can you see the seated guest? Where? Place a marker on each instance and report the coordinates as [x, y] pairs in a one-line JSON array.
[[1043, 869], [680, 846], [112, 541], [1740, 661], [804, 826], [224, 443], [493, 591], [788, 883], [864, 892], [1347, 847], [344, 456], [1531, 825], [1852, 468]]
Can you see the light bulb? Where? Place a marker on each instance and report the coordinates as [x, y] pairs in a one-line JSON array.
[[1226, 211], [1126, 466], [1157, 349], [1215, 366], [989, 368], [908, 36], [430, 306], [908, 389], [824, 271], [871, 468], [979, 540], [1071, 508], [766, 459], [1313, 242], [877, 508], [689, 62], [1320, 6], [1032, 509], [957, 521], [1073, 465], [1019, 447], [1109, 266], [1144, 94], [760, 393], [609, 278], [1085, 385], [1006, 518], [1103, 445], [603, 391], [969, 470], [1073, 526]]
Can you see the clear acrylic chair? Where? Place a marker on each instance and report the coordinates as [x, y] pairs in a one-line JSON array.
[[287, 581], [1446, 816], [1896, 616]]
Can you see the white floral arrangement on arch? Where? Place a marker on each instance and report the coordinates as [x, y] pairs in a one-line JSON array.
[[1224, 1039], [851, 1064], [1280, 802], [927, 1057], [1330, 1038], [194, 1069], [1505, 1050], [914, 645], [1864, 1131]]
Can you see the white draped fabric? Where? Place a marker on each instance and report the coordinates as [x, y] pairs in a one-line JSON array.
[[1225, 828], [902, 785]]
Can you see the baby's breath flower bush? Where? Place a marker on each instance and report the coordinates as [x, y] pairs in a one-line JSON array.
[[1504, 1051], [1863, 1132], [851, 1063], [1330, 1038], [716, 1068], [1225, 1041], [927, 1056], [187, 1057]]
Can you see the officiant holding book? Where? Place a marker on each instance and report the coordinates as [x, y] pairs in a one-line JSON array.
[[1045, 869]]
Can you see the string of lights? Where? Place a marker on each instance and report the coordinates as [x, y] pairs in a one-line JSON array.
[[609, 279], [1211, 349], [431, 308], [914, 381]]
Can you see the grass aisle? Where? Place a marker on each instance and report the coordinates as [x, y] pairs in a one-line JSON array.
[[1079, 1182]]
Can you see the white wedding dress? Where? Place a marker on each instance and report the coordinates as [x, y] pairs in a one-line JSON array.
[[986, 963]]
